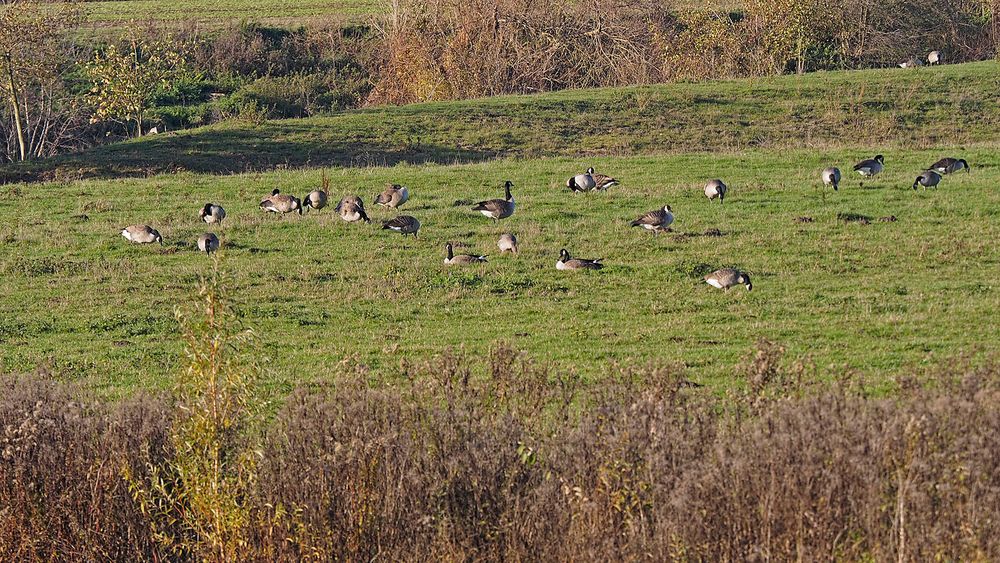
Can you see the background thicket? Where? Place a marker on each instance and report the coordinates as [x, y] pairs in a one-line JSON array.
[[421, 50]]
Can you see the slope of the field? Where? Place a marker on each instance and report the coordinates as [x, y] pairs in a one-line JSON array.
[[832, 280], [954, 104]]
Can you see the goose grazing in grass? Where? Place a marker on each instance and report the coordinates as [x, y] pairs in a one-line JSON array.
[[142, 234], [716, 189], [507, 243], [497, 209], [728, 277], [278, 202], [870, 168], [657, 221], [927, 179], [208, 243], [912, 62], [566, 262], [453, 259], [316, 199], [934, 57], [831, 177], [582, 182], [403, 224], [950, 166], [212, 213], [393, 196], [601, 181], [352, 209]]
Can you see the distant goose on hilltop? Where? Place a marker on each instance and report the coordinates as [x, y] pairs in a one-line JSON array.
[[497, 209], [927, 179], [728, 277], [566, 262], [453, 259], [142, 234], [403, 224], [278, 202], [208, 243], [950, 165], [934, 57], [716, 189], [507, 243], [212, 213], [831, 177], [656, 221], [393, 196], [870, 168]]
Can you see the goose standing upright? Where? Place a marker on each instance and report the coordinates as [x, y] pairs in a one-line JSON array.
[[497, 209], [716, 189], [831, 177], [212, 213], [657, 221], [870, 168], [934, 57]]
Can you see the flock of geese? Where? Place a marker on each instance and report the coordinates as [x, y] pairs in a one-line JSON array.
[[352, 209]]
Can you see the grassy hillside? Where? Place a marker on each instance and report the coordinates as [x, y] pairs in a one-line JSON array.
[[955, 104], [216, 13], [874, 297]]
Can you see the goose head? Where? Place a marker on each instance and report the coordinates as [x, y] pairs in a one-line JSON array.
[[563, 255], [879, 159], [745, 280]]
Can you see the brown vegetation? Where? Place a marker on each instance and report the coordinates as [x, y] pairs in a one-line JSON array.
[[507, 460]]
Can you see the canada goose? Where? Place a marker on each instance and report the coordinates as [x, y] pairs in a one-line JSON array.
[[831, 177], [142, 234], [461, 259], [927, 179], [656, 221], [603, 181], [950, 165], [212, 213], [393, 196], [567, 263], [716, 189], [870, 168], [352, 209], [403, 224], [934, 57], [278, 202], [912, 62], [582, 182], [316, 199], [497, 209], [208, 243], [507, 243], [728, 277]]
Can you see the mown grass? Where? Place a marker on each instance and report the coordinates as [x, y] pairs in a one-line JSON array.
[[874, 298], [916, 108]]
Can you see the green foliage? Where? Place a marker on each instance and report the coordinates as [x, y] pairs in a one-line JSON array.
[[126, 76], [196, 501]]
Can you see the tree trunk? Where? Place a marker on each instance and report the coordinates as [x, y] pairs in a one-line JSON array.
[[17, 109]]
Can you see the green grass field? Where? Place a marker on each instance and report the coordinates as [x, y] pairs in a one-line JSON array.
[[217, 13], [880, 298]]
